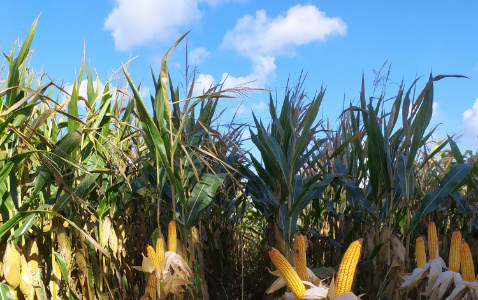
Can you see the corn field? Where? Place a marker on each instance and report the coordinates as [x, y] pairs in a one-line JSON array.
[[103, 198]]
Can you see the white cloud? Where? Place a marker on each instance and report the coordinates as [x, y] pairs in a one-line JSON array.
[[262, 39], [254, 107], [261, 35], [202, 84], [263, 69], [470, 119], [139, 22], [197, 56], [83, 89]]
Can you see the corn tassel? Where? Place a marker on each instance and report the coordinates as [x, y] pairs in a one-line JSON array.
[[160, 248], [347, 268], [286, 271], [420, 255], [432, 240], [153, 257], [300, 266], [454, 259], [172, 236], [467, 267]]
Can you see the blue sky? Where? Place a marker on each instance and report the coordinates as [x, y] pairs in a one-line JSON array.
[[267, 41]]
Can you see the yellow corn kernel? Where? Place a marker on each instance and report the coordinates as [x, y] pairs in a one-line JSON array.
[[345, 277], [454, 259], [300, 266], [420, 254], [151, 287], [286, 271], [467, 267], [432, 241], [172, 236], [153, 257], [160, 248], [300, 245]]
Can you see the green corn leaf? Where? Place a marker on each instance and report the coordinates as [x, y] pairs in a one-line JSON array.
[[309, 119], [201, 196], [63, 269], [451, 182], [5, 292], [14, 74]]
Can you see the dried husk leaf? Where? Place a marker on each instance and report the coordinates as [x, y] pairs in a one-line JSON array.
[[26, 283], [33, 257], [11, 266]]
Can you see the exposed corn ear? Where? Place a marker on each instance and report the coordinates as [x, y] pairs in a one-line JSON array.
[[347, 268], [172, 242], [454, 259], [160, 248], [11, 266], [300, 244], [420, 255], [300, 266], [467, 267], [286, 271], [151, 287], [432, 241], [153, 257]]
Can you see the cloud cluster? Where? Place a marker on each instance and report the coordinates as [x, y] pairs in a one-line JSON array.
[[470, 119], [262, 39], [139, 22], [261, 35], [197, 56]]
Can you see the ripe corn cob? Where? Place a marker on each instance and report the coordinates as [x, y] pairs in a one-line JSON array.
[[153, 257], [420, 254], [467, 267], [347, 268], [151, 287], [454, 259], [300, 245], [300, 266], [160, 248], [172, 236], [286, 271], [432, 240]]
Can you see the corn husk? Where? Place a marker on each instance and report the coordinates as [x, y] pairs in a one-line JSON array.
[[64, 244], [106, 229], [113, 242], [11, 266], [82, 268], [55, 280], [33, 257], [26, 283]]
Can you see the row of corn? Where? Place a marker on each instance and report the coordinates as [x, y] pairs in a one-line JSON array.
[[434, 278]]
